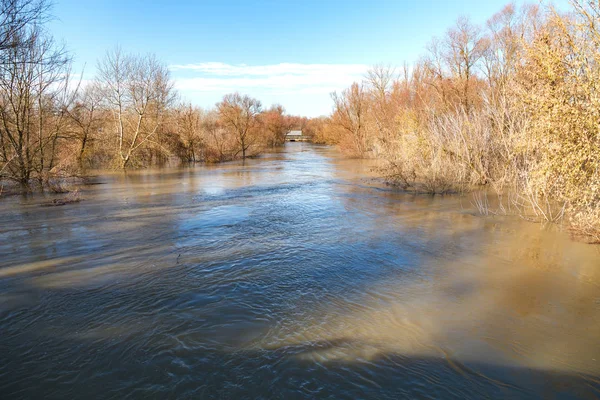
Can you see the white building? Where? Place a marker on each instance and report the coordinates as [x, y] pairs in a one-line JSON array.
[[295, 136]]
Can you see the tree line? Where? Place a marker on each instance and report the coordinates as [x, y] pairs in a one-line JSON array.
[[512, 105], [53, 124]]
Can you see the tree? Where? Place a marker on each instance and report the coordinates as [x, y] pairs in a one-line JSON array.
[[381, 81], [189, 121], [240, 115], [33, 86], [464, 48], [350, 113], [17, 17], [86, 118], [137, 91], [276, 125]]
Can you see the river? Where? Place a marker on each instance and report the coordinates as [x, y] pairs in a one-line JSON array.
[[295, 275]]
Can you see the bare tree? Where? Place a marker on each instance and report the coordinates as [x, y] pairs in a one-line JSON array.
[[381, 81], [137, 91], [350, 113], [33, 83], [86, 117], [16, 19], [276, 124], [464, 48], [217, 139], [189, 128], [240, 114]]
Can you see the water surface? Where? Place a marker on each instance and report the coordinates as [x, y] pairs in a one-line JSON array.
[[292, 276]]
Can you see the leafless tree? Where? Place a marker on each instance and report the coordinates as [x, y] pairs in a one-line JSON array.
[[16, 19], [33, 86], [240, 114], [276, 124], [464, 48], [189, 128], [350, 113], [137, 91], [381, 79], [86, 117]]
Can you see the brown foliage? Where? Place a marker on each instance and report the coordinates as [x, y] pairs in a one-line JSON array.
[[512, 105]]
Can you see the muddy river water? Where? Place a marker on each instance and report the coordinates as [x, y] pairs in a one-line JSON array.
[[292, 276]]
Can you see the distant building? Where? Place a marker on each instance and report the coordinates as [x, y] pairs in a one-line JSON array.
[[295, 136]]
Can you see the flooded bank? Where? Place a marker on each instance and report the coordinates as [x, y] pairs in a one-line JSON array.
[[292, 276]]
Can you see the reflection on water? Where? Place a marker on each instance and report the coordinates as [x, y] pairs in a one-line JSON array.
[[293, 276]]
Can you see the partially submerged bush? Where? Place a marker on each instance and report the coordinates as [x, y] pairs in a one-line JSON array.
[[559, 83], [513, 107], [70, 198]]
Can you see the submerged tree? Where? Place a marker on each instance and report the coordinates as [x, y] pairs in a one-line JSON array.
[[137, 91], [276, 125], [240, 115], [85, 115], [189, 132], [33, 93], [350, 113]]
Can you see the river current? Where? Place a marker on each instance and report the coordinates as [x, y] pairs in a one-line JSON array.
[[294, 275]]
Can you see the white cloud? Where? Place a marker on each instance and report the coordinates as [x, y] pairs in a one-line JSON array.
[[312, 83], [217, 68]]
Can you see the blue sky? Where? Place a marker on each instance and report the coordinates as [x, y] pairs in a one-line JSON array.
[[291, 52]]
